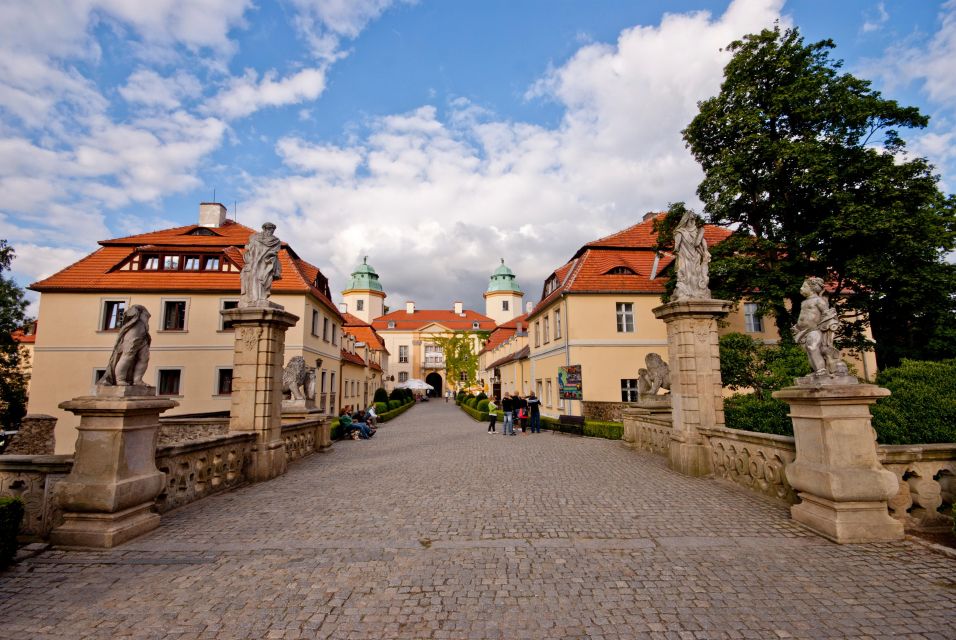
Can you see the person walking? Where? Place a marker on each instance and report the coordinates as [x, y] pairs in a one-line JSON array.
[[515, 410], [507, 406], [534, 413], [522, 404], [492, 415]]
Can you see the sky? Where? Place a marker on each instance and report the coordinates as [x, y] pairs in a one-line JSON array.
[[434, 137]]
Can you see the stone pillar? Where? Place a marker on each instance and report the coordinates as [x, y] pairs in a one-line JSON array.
[[108, 496], [837, 473], [696, 393], [257, 384], [35, 437]]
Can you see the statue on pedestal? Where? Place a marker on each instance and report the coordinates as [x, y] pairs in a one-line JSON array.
[[693, 259], [655, 377], [816, 331], [261, 267], [298, 380], [131, 352]]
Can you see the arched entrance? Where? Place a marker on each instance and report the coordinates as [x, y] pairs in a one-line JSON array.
[[435, 380]]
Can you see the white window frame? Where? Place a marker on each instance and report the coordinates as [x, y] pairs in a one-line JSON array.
[[215, 382], [403, 376], [222, 307], [753, 321], [315, 322], [162, 315], [505, 306], [403, 359], [557, 324], [628, 389], [549, 390], [625, 317], [101, 327], [360, 305], [98, 372], [547, 329]]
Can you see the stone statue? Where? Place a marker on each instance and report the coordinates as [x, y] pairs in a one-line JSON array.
[[693, 259], [261, 267], [815, 331], [131, 351], [298, 379], [656, 376]]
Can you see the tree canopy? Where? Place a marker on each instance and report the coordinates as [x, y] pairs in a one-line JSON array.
[[460, 355], [13, 389], [807, 165]]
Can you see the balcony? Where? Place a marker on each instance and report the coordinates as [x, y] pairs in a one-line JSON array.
[[433, 363]]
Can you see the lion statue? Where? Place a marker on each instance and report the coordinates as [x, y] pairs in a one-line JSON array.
[[298, 379], [655, 377]]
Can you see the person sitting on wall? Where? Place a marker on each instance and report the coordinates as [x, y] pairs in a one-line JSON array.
[[349, 426], [371, 417], [361, 417]]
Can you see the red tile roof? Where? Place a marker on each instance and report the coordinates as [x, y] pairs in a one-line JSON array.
[[520, 354], [368, 335], [354, 358], [405, 321], [634, 249], [503, 332], [100, 271]]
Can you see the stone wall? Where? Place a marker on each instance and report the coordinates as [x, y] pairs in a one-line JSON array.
[[753, 460], [32, 478], [35, 437], [201, 468], [927, 475], [175, 430], [604, 411], [648, 429]]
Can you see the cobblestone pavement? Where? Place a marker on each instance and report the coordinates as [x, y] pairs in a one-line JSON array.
[[434, 529]]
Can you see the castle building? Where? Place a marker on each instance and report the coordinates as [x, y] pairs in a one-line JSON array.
[[364, 296], [503, 296]]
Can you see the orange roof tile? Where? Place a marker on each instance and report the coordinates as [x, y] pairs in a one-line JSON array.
[[354, 358], [520, 354], [423, 317], [366, 334]]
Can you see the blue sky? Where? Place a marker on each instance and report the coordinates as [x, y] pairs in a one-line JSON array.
[[432, 136]]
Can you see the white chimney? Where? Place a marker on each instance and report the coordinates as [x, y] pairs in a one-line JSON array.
[[211, 214], [528, 306], [343, 307], [410, 307], [458, 308]]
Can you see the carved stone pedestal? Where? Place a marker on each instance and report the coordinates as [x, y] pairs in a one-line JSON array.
[[108, 496], [257, 384], [323, 437], [696, 396], [837, 475]]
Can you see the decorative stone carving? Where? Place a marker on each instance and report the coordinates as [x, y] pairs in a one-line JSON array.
[[655, 377], [693, 260], [927, 477], [300, 440], [753, 460], [130, 353], [816, 331], [298, 379], [261, 267], [195, 470], [35, 437]]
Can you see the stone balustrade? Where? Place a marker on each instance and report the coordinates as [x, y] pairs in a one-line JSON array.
[[300, 439], [753, 460], [32, 478], [647, 429], [184, 429], [200, 468], [927, 475]]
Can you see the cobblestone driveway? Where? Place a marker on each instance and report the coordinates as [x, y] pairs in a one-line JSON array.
[[434, 529]]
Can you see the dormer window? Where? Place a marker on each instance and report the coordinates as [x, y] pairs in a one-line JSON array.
[[550, 285], [391, 324], [476, 325], [149, 263], [170, 263], [201, 231], [211, 264], [191, 264], [620, 271]]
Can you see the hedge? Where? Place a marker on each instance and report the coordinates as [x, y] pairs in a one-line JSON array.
[[482, 405], [381, 407], [480, 416], [922, 409], [594, 429], [394, 413], [11, 513], [381, 395], [753, 412]]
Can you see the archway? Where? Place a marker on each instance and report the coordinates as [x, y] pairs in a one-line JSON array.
[[435, 380]]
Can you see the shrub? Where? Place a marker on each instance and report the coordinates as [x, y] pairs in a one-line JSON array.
[[746, 363], [394, 404], [481, 396], [381, 407], [482, 405], [397, 394], [381, 395], [757, 412], [471, 401], [609, 430], [922, 408], [11, 513]]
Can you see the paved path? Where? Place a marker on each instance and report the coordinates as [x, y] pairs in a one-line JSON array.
[[434, 529]]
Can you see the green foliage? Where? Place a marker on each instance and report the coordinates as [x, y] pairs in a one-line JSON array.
[[481, 396], [746, 363], [922, 407], [11, 514], [806, 163], [460, 355], [757, 412], [482, 405], [394, 404], [381, 395], [471, 401], [394, 413], [397, 394], [381, 407], [13, 384], [481, 416], [608, 430]]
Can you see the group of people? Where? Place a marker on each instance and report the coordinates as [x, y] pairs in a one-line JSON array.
[[524, 412], [358, 425]]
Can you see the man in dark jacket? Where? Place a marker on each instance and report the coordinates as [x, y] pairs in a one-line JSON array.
[[507, 407], [534, 413]]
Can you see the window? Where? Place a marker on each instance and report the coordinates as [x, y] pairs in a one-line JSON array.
[[629, 390], [391, 324], [403, 353], [170, 263], [620, 271], [360, 305], [547, 330], [537, 336], [550, 285], [335, 334], [752, 319], [434, 356], [504, 305], [557, 324], [224, 305], [113, 311], [223, 382], [315, 323], [625, 317], [192, 263], [547, 397], [98, 375], [325, 329], [463, 376], [403, 376], [538, 389], [169, 382], [211, 264], [149, 262], [475, 325], [174, 315], [201, 231]]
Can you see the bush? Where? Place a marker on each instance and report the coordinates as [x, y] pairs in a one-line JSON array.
[[471, 401], [481, 396], [381, 395], [746, 363], [609, 430], [922, 409], [381, 407], [482, 405], [757, 412], [11, 513], [397, 394], [394, 404]]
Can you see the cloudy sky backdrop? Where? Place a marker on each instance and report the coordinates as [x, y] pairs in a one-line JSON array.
[[432, 136]]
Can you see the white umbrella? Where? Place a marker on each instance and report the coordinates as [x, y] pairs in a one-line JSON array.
[[415, 385]]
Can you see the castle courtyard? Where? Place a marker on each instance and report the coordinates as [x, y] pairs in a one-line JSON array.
[[435, 529]]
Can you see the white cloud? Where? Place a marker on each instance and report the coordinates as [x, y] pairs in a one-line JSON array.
[[247, 94], [324, 23], [875, 20], [147, 87], [327, 159]]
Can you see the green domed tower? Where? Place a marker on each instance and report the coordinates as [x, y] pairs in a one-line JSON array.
[[364, 297], [503, 296]]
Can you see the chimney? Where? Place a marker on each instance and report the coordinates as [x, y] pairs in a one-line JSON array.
[[458, 307], [410, 307], [520, 328], [343, 307], [649, 215], [211, 214], [528, 306]]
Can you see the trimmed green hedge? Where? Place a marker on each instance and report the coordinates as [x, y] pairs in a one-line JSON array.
[[480, 416], [754, 412], [922, 409], [11, 514], [594, 429], [482, 405], [381, 407], [394, 413]]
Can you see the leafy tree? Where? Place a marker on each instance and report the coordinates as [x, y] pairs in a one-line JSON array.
[[460, 355], [806, 164], [746, 363], [13, 387]]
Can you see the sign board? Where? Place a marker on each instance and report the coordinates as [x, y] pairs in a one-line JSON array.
[[569, 382]]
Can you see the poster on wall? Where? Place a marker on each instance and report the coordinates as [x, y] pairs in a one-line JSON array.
[[569, 382]]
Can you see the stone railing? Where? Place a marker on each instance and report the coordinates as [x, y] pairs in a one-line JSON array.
[[648, 429], [927, 475], [32, 478], [186, 429], [200, 468], [753, 460], [35, 437]]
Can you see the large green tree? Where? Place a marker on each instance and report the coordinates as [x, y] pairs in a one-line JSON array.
[[13, 389], [807, 165], [460, 355]]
